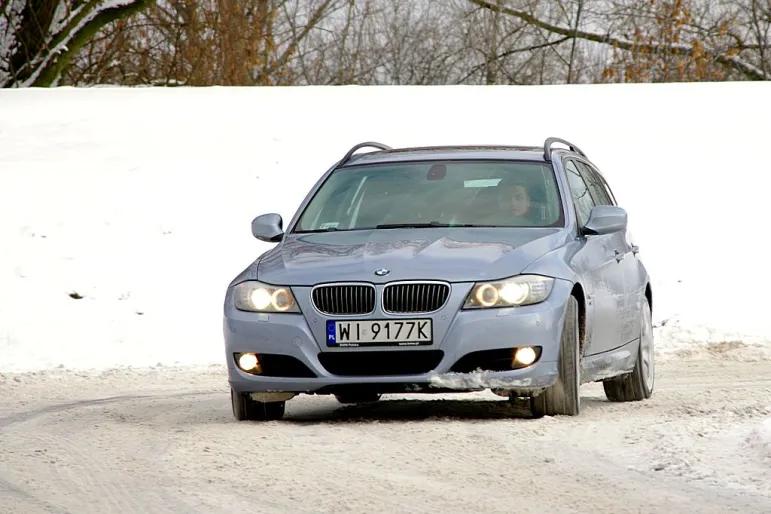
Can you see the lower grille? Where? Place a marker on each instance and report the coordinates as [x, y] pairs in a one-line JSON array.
[[341, 299], [362, 364], [415, 297]]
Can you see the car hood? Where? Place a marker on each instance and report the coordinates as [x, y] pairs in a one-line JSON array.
[[452, 254]]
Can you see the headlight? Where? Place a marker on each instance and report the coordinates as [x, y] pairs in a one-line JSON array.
[[510, 292], [259, 297]]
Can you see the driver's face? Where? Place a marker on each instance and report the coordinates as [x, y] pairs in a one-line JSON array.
[[516, 200]]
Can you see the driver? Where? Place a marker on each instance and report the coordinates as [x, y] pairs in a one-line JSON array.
[[514, 203], [508, 205], [514, 199]]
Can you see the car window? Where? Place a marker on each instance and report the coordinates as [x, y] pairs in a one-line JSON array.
[[596, 187], [477, 193], [579, 190], [608, 189]]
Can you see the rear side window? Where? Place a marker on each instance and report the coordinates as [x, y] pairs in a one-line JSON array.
[[608, 189], [595, 184], [579, 190]]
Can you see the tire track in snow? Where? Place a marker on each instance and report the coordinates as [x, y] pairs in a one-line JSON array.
[[401, 454], [85, 472], [11, 496], [21, 417]]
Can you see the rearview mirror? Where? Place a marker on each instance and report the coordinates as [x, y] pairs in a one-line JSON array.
[[268, 228], [605, 219]]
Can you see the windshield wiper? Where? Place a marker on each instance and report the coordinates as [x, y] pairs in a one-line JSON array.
[[328, 229], [430, 224]]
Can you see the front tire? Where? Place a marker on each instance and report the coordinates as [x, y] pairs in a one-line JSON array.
[[637, 385], [562, 397], [246, 409]]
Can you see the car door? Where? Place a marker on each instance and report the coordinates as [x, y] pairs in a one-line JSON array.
[[598, 261], [634, 275], [618, 245]]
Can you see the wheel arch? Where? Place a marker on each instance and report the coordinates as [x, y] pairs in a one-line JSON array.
[[578, 293], [649, 295]]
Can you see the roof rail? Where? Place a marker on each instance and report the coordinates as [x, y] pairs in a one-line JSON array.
[[372, 144], [550, 141]]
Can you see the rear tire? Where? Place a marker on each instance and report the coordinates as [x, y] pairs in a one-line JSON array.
[[246, 409], [562, 398], [637, 385]]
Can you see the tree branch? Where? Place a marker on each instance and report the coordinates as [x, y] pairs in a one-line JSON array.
[[44, 68], [315, 18], [747, 69], [51, 73], [512, 52]]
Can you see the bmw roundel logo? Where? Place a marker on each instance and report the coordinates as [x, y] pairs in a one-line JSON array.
[[382, 272]]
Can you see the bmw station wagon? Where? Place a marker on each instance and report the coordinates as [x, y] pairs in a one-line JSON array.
[[444, 269]]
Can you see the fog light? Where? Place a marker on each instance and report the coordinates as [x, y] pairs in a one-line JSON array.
[[525, 356], [249, 362]]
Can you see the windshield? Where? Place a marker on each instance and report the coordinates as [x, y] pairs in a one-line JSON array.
[[454, 193]]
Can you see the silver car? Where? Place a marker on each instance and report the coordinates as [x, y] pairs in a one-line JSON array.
[[444, 269]]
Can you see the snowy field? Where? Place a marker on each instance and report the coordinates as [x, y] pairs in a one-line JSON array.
[[124, 213], [140, 200]]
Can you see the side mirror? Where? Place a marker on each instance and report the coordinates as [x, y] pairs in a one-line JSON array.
[[268, 228], [605, 219]]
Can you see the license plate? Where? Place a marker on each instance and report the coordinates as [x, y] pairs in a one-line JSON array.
[[413, 332]]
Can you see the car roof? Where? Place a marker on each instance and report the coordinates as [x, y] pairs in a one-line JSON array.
[[523, 153]]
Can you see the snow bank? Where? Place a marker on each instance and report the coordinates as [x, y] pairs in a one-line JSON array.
[[140, 200]]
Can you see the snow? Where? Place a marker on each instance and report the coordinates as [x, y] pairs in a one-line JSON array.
[[476, 380], [760, 439], [140, 200], [122, 440], [62, 16]]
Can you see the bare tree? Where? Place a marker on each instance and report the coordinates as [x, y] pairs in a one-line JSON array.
[[682, 29], [287, 42], [337, 51], [204, 42], [753, 32], [377, 42], [409, 42], [39, 37]]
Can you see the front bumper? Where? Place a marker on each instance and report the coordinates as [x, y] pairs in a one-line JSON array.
[[297, 359]]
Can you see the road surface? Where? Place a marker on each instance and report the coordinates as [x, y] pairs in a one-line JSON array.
[[165, 441]]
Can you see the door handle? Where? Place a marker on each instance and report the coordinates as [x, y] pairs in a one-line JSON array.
[[619, 256]]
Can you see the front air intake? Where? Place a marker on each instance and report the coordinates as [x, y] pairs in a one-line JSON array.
[[415, 297], [344, 299]]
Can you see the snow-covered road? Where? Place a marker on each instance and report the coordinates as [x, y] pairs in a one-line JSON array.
[[165, 441]]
